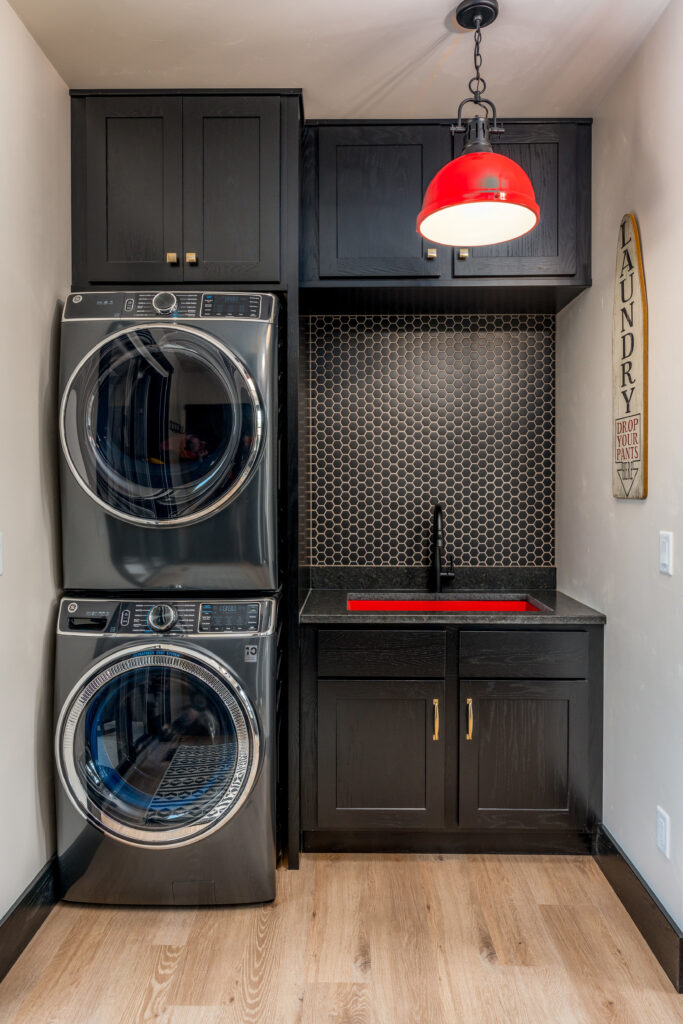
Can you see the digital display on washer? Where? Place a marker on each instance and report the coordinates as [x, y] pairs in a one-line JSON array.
[[89, 305], [226, 304], [228, 618]]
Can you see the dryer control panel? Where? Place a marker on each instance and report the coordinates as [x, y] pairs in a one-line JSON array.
[[165, 616], [167, 305]]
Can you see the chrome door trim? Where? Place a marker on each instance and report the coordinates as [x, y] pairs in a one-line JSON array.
[[243, 780], [242, 479]]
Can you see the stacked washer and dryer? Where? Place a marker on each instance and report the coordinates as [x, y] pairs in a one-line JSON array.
[[165, 678]]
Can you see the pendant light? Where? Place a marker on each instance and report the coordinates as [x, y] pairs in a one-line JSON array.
[[482, 197]]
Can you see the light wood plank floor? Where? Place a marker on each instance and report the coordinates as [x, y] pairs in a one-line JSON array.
[[358, 940]]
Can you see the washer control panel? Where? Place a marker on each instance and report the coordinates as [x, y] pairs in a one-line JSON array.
[[167, 617], [233, 617], [232, 304], [168, 305]]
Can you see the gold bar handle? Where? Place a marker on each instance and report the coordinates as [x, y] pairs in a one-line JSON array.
[[470, 719], [172, 258], [463, 254], [432, 254], [435, 702], [191, 257]]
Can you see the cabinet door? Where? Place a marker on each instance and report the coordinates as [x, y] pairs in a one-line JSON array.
[[134, 188], [547, 152], [231, 190], [380, 753], [372, 180], [523, 753]]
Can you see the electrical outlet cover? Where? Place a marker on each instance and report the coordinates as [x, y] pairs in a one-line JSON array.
[[663, 832]]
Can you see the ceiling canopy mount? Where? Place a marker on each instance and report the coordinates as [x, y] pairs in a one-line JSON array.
[[467, 12]]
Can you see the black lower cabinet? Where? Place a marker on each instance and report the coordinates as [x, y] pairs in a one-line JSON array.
[[451, 739], [523, 753], [380, 753]]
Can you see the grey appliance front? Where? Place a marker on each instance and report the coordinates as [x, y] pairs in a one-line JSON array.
[[168, 428], [163, 747]]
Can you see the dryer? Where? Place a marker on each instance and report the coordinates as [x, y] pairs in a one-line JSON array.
[[169, 447], [164, 747]]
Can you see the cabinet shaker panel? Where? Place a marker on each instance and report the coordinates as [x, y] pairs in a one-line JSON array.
[[548, 154], [231, 208], [133, 188], [371, 183], [380, 753], [523, 753]]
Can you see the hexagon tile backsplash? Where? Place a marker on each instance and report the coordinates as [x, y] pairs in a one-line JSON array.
[[401, 412]]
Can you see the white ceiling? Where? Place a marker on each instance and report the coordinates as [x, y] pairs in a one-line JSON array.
[[353, 58]]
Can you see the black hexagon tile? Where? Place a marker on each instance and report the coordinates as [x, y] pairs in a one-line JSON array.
[[401, 412]]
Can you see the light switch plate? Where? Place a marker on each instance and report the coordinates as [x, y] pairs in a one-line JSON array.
[[663, 832], [1, 553], [666, 552]]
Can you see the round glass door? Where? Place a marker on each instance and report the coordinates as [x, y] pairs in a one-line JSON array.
[[158, 746], [161, 424]]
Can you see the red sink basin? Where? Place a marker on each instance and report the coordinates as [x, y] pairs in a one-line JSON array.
[[444, 605]]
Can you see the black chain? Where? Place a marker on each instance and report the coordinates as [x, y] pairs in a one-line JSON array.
[[479, 84]]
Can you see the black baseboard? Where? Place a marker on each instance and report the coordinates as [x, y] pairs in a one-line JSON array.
[[462, 841], [659, 930], [22, 921]]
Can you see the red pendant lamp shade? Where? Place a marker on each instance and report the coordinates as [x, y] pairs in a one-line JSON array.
[[481, 198]]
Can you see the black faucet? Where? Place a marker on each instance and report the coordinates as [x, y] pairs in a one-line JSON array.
[[438, 575]]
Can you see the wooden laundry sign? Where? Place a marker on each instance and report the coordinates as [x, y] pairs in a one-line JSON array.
[[629, 367]]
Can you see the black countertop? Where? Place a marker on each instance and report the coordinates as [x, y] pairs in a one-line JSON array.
[[325, 607]]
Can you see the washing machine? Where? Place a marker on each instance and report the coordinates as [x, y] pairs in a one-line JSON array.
[[164, 747], [169, 447]]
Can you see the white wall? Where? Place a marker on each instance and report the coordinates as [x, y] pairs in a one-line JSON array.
[[34, 275], [608, 549]]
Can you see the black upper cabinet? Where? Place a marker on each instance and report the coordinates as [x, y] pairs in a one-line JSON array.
[[371, 184], [133, 170], [201, 187], [362, 189], [180, 187], [547, 152], [231, 185]]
